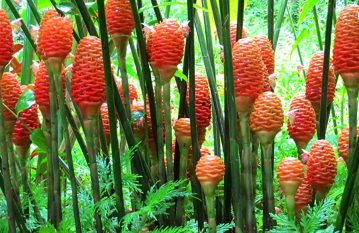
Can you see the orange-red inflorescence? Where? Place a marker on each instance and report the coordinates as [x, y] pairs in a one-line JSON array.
[[11, 91], [41, 89], [301, 123], [165, 46], [313, 89], [233, 32], [321, 165], [343, 142], [346, 41], [55, 36], [304, 196], [48, 14], [132, 92], [119, 17], [248, 69], [182, 127], [6, 41], [88, 82], [203, 102], [105, 120], [266, 52], [290, 169], [21, 133], [210, 169], [267, 113]]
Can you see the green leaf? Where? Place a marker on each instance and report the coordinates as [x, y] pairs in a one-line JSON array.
[[26, 100], [181, 75], [68, 8], [307, 7], [301, 36], [38, 138]]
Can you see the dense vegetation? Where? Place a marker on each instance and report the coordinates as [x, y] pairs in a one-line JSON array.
[[179, 116]]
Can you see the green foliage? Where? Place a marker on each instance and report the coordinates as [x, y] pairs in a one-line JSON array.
[[26, 100], [308, 6], [38, 138], [157, 202]]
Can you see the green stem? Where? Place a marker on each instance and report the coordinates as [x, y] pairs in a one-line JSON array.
[[325, 77], [87, 18], [24, 178], [168, 8], [160, 154], [50, 176], [182, 176], [348, 190], [353, 120], [289, 199], [168, 125], [278, 23], [62, 108], [5, 167], [12, 163], [90, 124], [211, 214], [317, 28], [268, 191], [250, 222], [270, 23], [217, 20], [54, 153]]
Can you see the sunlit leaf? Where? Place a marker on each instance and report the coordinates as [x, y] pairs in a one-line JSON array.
[[26, 100], [181, 75], [38, 138], [307, 7], [301, 36]]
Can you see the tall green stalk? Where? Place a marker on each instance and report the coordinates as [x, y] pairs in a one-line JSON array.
[[270, 24], [86, 17], [231, 116], [5, 167], [168, 126], [117, 173], [323, 100], [12, 164], [349, 190], [56, 76], [278, 23]]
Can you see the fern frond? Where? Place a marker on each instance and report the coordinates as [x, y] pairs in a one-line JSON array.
[[172, 230], [316, 216], [284, 224]]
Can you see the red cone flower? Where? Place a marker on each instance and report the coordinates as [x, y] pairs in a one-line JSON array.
[[267, 114], [28, 121], [119, 17], [346, 41], [249, 71], [233, 32], [105, 120], [301, 124], [6, 42], [88, 80], [290, 172], [321, 166], [343, 142], [55, 36], [132, 92], [182, 130], [48, 15], [11, 92], [313, 89], [210, 170], [203, 102], [266, 52], [41, 89], [165, 48], [304, 196]]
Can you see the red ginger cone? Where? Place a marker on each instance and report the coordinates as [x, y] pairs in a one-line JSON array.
[[28, 121], [233, 32], [343, 143], [203, 102], [105, 121], [290, 172], [11, 92], [249, 71], [132, 92], [55, 36], [165, 48], [321, 167], [88, 82], [119, 17], [313, 88], [41, 89], [303, 197], [48, 15], [301, 124], [346, 45], [266, 52], [267, 116], [6, 41], [182, 130]]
